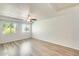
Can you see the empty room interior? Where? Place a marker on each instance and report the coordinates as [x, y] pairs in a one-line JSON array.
[[39, 29]]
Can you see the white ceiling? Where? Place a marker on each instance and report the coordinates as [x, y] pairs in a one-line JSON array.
[[62, 6], [37, 10], [14, 10]]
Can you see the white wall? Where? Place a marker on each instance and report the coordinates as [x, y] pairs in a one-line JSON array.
[[62, 30]]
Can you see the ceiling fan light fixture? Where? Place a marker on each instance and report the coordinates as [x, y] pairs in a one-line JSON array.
[[30, 19]]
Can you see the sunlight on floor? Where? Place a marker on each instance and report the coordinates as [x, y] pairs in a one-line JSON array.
[[23, 49], [10, 51]]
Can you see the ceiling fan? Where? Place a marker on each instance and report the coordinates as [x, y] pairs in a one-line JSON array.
[[30, 19]]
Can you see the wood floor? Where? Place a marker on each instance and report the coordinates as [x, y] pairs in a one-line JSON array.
[[34, 47], [41, 48]]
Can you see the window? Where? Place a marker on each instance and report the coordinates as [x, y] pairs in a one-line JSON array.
[[25, 28], [9, 28]]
